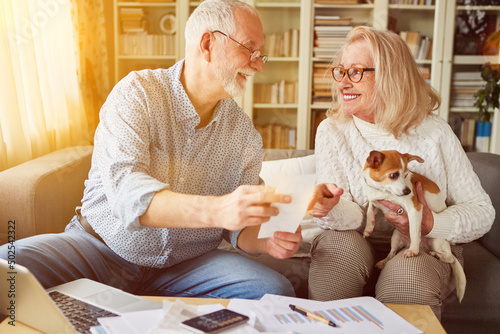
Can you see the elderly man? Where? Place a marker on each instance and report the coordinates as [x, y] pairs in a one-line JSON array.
[[175, 170]]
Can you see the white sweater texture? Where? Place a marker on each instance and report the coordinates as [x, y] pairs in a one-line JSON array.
[[341, 152]]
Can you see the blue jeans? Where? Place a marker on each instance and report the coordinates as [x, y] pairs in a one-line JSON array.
[[58, 258]]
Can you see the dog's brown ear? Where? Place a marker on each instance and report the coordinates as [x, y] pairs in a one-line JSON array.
[[410, 157], [375, 159]]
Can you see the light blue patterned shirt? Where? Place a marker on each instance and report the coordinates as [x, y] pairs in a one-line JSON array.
[[146, 141]]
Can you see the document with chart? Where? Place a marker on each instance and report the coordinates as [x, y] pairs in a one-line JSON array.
[[354, 315]]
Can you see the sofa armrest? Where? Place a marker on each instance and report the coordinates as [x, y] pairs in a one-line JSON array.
[[487, 168], [41, 195]]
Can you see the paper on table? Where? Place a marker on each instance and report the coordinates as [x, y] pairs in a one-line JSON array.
[[156, 321], [353, 315], [300, 188]]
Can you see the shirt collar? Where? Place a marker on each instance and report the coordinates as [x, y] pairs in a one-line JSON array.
[[188, 116]]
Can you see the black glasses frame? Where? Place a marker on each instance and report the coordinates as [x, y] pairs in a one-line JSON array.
[[254, 54], [346, 70]]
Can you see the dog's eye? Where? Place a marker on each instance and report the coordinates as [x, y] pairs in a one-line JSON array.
[[394, 176]]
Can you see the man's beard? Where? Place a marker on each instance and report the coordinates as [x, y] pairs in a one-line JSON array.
[[228, 76]]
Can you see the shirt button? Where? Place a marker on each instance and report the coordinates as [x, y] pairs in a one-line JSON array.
[[189, 141], [166, 253], [181, 179]]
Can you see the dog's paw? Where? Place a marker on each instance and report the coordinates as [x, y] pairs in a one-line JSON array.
[[381, 264], [435, 254], [367, 233], [368, 229], [409, 253]]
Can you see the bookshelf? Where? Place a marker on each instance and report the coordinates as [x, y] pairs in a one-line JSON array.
[[325, 34], [291, 96], [145, 35], [463, 56], [274, 99]]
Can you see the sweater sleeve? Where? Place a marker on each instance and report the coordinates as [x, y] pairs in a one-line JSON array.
[[470, 213], [333, 163]]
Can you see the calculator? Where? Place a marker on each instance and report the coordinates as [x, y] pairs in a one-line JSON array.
[[215, 322]]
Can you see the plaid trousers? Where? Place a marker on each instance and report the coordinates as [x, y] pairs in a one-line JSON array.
[[343, 262]]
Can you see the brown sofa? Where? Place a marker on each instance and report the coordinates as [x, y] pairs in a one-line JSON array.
[[41, 195]]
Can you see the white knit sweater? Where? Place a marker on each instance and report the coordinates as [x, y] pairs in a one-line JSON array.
[[341, 152]]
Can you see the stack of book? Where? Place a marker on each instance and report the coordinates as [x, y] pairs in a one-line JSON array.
[[132, 19], [412, 2], [463, 87], [144, 44], [285, 44], [281, 92], [317, 116], [329, 34], [336, 2], [420, 45], [321, 83], [277, 136]]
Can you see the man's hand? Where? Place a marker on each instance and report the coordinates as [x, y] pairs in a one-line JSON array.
[[325, 197], [283, 245], [401, 222], [248, 205]]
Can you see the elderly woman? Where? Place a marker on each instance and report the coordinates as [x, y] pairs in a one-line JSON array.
[[381, 102]]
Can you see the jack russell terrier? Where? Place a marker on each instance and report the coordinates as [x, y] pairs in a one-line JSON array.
[[387, 177]]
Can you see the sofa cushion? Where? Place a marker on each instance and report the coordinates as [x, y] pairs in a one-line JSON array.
[[480, 308], [487, 167]]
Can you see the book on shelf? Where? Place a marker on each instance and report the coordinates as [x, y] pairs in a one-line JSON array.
[[277, 136], [483, 134], [144, 44], [132, 19], [285, 44], [281, 92], [317, 116], [463, 87], [419, 45], [412, 2], [325, 20], [329, 39], [321, 82], [336, 2], [473, 135]]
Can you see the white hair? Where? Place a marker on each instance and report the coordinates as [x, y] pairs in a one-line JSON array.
[[213, 15]]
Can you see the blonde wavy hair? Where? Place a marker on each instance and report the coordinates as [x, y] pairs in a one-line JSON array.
[[402, 98]]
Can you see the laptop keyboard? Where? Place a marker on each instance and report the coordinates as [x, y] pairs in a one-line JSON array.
[[81, 315]]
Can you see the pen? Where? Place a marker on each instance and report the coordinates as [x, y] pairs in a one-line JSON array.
[[312, 315]]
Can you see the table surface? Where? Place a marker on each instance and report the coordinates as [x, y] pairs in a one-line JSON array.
[[420, 316]]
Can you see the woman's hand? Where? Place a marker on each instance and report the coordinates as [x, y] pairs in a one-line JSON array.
[[283, 245], [325, 197], [401, 222]]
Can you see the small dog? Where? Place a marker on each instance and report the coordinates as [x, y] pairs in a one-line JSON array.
[[387, 177]]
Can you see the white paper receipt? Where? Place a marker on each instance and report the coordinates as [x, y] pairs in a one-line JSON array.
[[300, 188]]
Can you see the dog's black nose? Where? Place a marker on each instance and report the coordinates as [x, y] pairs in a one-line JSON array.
[[406, 191]]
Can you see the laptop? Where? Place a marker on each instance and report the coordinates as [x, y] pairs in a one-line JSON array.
[[67, 308]]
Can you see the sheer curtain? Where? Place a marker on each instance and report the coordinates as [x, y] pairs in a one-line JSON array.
[[44, 102]]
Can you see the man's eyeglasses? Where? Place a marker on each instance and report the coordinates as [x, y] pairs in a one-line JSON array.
[[355, 74], [254, 54]]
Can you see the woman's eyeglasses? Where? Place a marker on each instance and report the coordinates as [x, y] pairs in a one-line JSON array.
[[355, 74]]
